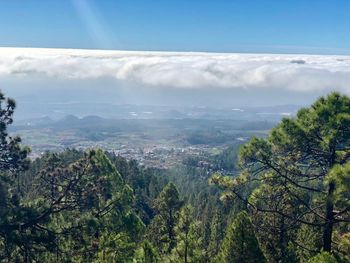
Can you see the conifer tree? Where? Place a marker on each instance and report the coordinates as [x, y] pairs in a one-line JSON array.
[[216, 234], [150, 254], [296, 160], [308, 242], [13, 160], [188, 248], [161, 231], [95, 221], [240, 244]]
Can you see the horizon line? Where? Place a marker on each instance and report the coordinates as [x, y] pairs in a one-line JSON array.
[[174, 51]]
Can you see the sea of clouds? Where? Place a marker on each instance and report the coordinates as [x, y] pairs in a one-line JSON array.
[[301, 73]]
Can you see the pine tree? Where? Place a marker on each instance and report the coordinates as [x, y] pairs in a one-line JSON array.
[[216, 234], [13, 160], [188, 237], [150, 254], [146, 253], [161, 231], [309, 242], [240, 244], [76, 212], [95, 220], [295, 160]]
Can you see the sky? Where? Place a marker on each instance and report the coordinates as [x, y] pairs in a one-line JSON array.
[[184, 52], [264, 26]]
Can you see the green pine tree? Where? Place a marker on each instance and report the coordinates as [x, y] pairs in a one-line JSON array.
[[216, 234], [309, 242], [188, 237], [240, 244], [295, 162], [161, 231]]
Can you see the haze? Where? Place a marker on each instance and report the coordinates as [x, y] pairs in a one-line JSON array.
[[66, 76]]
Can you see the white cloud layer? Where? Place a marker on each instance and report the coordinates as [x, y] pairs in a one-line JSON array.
[[183, 70]]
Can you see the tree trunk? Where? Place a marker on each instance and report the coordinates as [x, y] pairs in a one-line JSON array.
[[328, 229]]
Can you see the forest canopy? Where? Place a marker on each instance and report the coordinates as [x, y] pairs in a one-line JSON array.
[[288, 202]]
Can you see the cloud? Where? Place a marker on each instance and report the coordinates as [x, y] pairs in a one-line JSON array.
[[301, 73]]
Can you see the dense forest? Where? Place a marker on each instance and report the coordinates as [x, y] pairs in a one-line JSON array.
[[287, 199]]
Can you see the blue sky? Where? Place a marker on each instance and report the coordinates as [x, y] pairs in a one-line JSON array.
[[272, 26]]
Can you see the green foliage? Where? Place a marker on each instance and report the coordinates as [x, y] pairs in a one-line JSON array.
[[146, 183], [323, 257], [227, 159], [217, 234], [77, 212], [98, 207], [343, 244], [147, 253], [188, 236], [91, 211], [339, 175], [115, 247], [240, 243], [12, 212], [308, 243], [275, 231], [292, 170], [161, 232]]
